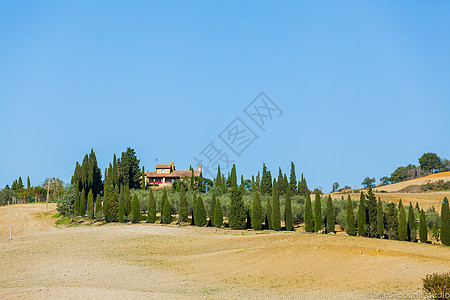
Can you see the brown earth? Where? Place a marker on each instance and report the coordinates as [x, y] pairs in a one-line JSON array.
[[155, 261]]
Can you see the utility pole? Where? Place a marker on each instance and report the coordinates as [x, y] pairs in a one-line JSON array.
[[48, 194], [9, 216]]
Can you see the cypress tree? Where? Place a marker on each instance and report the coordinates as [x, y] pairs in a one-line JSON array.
[[268, 214], [121, 212], [76, 203], [276, 218], [83, 203], [98, 208], [200, 212], [20, 183], [194, 204], [241, 187], [256, 212], [293, 180], [127, 201], [308, 214], [135, 210], [423, 230], [402, 231], [161, 205], [330, 216], [350, 221], [302, 186], [111, 203], [391, 222], [143, 183], [445, 223], [266, 181], [28, 182], [212, 208], [236, 213], [280, 181], [233, 176], [184, 211], [166, 215], [411, 226], [248, 223], [90, 205], [288, 210], [151, 212], [218, 215], [362, 215], [317, 213], [380, 219], [372, 213], [218, 181]]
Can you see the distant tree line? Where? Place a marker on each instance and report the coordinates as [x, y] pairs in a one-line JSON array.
[[428, 163], [260, 203], [18, 193]]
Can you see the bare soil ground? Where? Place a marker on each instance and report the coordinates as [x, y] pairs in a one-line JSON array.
[[154, 261]]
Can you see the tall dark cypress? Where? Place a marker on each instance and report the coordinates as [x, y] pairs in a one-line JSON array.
[[143, 179], [391, 222], [121, 209], [236, 213], [256, 212], [308, 214], [211, 209], [135, 210], [330, 216], [241, 186], [83, 203], [90, 205], [200, 212], [276, 218], [423, 230], [28, 182], [380, 219], [411, 226], [184, 210], [268, 214], [372, 213], [161, 205], [166, 216], [362, 215], [218, 214], [218, 181], [98, 208], [288, 210], [293, 180], [111, 203], [280, 186], [350, 221], [233, 176], [151, 211], [402, 231], [303, 186], [317, 213], [445, 223], [266, 181], [127, 201]]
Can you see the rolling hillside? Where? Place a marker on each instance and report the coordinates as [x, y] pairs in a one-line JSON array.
[[396, 187]]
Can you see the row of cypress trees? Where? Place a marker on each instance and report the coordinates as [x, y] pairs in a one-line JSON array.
[[373, 221]]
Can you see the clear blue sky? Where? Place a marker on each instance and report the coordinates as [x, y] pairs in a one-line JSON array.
[[363, 86]]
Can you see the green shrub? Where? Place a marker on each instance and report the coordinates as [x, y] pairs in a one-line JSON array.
[[437, 285]]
